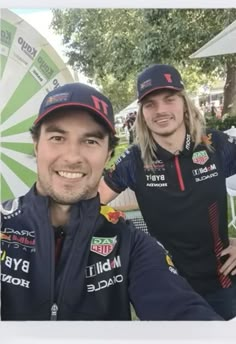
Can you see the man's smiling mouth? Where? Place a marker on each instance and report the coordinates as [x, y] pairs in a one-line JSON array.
[[70, 175]]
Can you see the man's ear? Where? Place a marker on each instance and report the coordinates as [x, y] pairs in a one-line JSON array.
[[35, 143], [109, 156]]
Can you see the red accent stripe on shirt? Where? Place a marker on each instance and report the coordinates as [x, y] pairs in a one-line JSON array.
[[218, 245], [179, 174]]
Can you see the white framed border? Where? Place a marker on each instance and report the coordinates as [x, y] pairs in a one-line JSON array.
[[120, 3], [113, 332]]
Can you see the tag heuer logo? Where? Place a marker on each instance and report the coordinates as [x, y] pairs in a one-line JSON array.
[[200, 158], [103, 246]]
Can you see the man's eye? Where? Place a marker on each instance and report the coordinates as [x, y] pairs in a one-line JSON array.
[[91, 142], [170, 99], [56, 138], [148, 105]]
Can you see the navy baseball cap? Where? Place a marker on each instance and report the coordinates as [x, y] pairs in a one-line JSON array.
[[157, 77], [81, 96]]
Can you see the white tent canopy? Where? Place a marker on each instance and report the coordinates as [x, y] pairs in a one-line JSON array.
[[223, 43], [130, 108]]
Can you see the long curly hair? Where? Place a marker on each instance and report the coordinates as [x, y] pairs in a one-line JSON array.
[[194, 121]]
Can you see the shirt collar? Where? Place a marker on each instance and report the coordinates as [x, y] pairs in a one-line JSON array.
[[165, 155], [39, 201]]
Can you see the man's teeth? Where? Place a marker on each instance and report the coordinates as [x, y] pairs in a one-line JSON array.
[[70, 175], [163, 120]]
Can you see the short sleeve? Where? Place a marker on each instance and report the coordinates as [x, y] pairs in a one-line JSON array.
[[122, 173]]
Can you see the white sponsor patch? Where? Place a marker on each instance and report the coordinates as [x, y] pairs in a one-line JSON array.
[[159, 185], [212, 175], [13, 263], [91, 288], [100, 267], [15, 281], [188, 141], [155, 177], [204, 170]]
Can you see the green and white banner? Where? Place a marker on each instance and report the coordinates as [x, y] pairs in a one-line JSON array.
[[29, 68]]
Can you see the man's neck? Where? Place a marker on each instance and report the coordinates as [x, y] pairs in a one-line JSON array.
[[173, 143], [59, 214]]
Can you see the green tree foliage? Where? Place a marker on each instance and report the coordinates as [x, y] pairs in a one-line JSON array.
[[112, 45], [97, 42], [176, 34]]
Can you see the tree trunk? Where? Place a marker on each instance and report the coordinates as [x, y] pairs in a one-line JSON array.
[[230, 90]]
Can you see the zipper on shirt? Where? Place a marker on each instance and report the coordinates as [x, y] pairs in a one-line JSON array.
[[56, 302], [179, 174], [54, 310]]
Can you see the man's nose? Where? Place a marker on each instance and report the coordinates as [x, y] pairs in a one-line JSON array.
[[160, 107], [74, 153]]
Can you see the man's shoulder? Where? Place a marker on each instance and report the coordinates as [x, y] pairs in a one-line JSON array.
[[13, 207], [117, 220], [214, 138], [10, 206], [117, 217], [215, 134], [131, 153], [115, 223], [112, 215], [10, 209], [129, 156]]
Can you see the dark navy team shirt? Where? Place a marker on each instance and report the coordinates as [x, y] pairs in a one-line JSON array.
[[104, 265], [184, 202]]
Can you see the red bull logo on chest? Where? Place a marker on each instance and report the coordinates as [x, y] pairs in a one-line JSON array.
[[103, 246]]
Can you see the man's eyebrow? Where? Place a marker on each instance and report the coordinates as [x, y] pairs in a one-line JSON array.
[[100, 134], [151, 97], [54, 128], [96, 133], [147, 99]]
